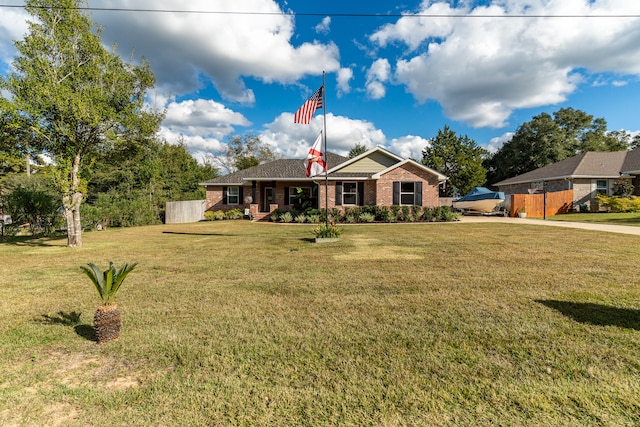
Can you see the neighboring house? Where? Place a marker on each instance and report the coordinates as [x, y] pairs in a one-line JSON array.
[[586, 174], [376, 177]]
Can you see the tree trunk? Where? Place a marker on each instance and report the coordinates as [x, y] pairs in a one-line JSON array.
[[71, 203]]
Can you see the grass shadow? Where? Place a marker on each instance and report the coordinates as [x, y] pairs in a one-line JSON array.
[[33, 240], [596, 314], [197, 234], [71, 319]]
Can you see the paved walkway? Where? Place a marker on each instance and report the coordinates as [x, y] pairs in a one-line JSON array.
[[624, 229]]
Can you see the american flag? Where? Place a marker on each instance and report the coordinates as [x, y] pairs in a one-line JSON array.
[[304, 113]]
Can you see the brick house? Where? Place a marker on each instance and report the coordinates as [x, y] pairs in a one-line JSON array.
[[587, 174], [377, 177]]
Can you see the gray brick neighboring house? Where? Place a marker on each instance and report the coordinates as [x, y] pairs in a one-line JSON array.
[[586, 174], [377, 177]]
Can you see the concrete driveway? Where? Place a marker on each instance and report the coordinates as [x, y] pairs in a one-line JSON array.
[[624, 229]]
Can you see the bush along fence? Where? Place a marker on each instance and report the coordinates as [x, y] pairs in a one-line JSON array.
[[368, 214], [220, 215]]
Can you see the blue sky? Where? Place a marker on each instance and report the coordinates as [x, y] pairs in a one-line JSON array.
[[482, 68]]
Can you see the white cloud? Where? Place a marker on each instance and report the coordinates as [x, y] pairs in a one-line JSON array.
[[481, 69], [187, 48], [202, 117], [13, 26], [201, 125], [343, 133], [324, 26], [377, 75], [343, 81], [409, 146], [496, 143]]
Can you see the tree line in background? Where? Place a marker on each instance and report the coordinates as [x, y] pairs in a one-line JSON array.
[[544, 140], [125, 187]]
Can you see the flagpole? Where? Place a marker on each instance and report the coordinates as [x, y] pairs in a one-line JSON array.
[[324, 135]]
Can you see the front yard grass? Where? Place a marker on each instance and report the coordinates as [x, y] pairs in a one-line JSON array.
[[621, 218], [232, 323]]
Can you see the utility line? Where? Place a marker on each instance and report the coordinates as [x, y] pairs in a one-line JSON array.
[[336, 15]]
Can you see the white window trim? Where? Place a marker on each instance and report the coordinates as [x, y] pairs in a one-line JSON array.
[[236, 196], [413, 193], [600, 189], [355, 183]]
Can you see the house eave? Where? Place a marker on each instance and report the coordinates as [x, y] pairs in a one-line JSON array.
[[558, 178]]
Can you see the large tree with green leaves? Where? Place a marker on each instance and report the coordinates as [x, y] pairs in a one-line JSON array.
[[131, 185], [548, 139], [76, 98], [243, 152], [457, 157], [356, 150]]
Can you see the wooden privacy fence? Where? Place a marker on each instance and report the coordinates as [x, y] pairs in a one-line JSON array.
[[558, 202]]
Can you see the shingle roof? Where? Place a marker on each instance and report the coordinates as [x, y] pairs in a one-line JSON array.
[[632, 162], [283, 169], [592, 164]]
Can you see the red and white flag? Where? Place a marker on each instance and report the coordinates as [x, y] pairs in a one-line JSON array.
[[315, 163], [305, 113]]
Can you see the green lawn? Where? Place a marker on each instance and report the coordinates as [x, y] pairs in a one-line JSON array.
[[625, 218], [243, 324]]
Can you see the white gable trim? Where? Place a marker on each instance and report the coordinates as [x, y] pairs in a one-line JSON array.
[[413, 163], [366, 154]]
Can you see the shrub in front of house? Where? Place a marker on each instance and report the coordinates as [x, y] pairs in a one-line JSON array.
[[366, 217], [619, 204], [301, 218], [286, 217], [214, 215], [234, 214], [314, 218]]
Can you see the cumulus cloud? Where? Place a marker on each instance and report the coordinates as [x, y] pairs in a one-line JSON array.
[[480, 69], [496, 143], [202, 117], [188, 49], [13, 26], [343, 80], [377, 75], [409, 146], [324, 26], [343, 133]]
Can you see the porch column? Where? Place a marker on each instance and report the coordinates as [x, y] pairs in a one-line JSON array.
[[253, 191]]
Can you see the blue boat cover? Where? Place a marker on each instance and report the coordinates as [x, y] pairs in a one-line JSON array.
[[481, 193]]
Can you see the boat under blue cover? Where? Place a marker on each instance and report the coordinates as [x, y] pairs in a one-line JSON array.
[[480, 199]]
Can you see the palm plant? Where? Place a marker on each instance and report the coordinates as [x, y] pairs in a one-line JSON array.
[[107, 320]]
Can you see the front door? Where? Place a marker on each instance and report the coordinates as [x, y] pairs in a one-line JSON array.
[[268, 199]]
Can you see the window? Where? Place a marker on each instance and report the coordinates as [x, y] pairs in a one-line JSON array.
[[538, 185], [233, 195], [295, 197], [349, 193], [407, 193], [602, 186]]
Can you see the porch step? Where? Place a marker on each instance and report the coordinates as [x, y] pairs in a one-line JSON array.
[[261, 216]]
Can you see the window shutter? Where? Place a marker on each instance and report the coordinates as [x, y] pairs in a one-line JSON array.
[[361, 193], [338, 193], [241, 195], [418, 193], [396, 193], [224, 195], [286, 196]]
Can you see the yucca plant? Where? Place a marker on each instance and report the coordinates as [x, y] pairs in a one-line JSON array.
[[107, 320]]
